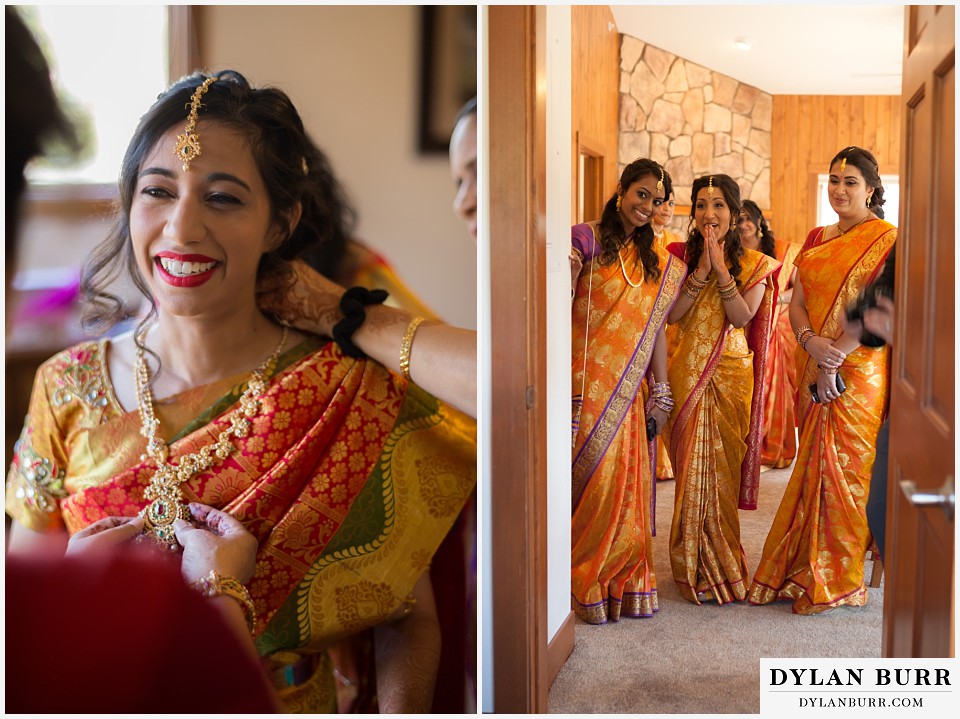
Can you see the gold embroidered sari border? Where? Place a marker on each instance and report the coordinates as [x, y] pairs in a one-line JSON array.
[[603, 432]]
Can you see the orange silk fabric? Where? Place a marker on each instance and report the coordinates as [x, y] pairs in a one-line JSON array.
[[711, 367], [815, 551], [779, 444], [612, 563]]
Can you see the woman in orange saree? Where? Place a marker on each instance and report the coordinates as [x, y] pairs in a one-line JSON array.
[[718, 336], [621, 300], [815, 550], [778, 446], [347, 474]]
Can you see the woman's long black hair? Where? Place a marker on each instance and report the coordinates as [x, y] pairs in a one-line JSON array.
[[610, 227], [767, 240], [292, 167]]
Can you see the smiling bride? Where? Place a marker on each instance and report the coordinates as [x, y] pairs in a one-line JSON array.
[[346, 473]]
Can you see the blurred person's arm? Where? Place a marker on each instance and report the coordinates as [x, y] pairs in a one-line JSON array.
[[443, 359], [23, 540]]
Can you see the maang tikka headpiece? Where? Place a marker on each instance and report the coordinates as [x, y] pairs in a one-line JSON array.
[[660, 181], [710, 187], [843, 164], [188, 144]]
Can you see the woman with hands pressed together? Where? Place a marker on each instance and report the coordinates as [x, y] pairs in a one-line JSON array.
[[814, 553], [719, 333]]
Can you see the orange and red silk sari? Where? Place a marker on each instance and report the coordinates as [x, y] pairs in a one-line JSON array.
[[349, 479], [615, 327], [779, 443], [816, 547], [716, 374]]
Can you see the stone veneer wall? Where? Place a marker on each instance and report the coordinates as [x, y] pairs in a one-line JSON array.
[[693, 121]]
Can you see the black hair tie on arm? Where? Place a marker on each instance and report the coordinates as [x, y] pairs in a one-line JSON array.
[[352, 305]]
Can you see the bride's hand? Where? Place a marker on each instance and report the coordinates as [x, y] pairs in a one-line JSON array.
[[103, 534]]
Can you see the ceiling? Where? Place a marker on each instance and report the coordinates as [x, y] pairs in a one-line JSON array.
[[797, 49]]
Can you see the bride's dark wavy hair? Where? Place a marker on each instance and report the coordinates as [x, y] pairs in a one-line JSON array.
[[292, 167], [732, 247], [610, 227]]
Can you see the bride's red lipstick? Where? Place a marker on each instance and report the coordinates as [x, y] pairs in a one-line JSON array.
[[189, 281]]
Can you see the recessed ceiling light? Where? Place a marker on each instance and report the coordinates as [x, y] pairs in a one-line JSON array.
[[744, 43]]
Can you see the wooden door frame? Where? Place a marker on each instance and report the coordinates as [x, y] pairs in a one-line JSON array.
[[518, 434], [907, 603]]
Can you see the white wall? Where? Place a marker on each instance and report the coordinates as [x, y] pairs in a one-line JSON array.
[[353, 73], [559, 162], [485, 578]]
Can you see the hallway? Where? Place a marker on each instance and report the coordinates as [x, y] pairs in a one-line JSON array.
[[690, 659]]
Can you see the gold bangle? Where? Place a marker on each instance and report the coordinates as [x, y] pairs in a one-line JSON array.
[[406, 346], [216, 584]]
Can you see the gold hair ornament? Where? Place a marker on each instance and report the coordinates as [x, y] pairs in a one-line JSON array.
[[188, 144], [710, 187], [843, 164], [660, 181], [619, 201]]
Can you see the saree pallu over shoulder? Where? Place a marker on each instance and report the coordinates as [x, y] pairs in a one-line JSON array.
[[607, 326], [815, 550], [701, 343], [615, 327], [349, 479]]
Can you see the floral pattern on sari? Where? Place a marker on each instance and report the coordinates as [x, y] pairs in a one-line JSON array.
[[714, 432], [814, 553], [615, 327], [349, 479]]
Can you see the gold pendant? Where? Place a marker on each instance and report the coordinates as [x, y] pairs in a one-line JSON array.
[[165, 508], [187, 148]]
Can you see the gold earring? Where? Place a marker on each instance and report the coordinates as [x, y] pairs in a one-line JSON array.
[[188, 147], [619, 200], [869, 197], [759, 234]]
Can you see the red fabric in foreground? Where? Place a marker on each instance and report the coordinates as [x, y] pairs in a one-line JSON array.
[[120, 632]]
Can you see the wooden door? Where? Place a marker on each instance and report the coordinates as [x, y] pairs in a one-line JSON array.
[[918, 601], [518, 434]]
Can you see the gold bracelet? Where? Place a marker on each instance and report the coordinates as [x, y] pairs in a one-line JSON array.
[[406, 346], [799, 332], [216, 584]]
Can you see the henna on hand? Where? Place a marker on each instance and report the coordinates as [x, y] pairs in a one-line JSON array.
[[302, 297]]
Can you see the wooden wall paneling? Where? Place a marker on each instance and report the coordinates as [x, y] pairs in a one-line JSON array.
[[595, 88], [832, 126], [807, 131], [870, 104]]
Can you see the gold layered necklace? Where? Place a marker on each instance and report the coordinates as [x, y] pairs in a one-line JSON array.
[[165, 493]]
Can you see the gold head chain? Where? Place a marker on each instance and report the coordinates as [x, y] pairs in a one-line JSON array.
[[710, 187], [660, 181], [843, 164], [188, 144]]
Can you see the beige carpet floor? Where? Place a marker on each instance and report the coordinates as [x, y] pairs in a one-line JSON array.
[[690, 659]]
